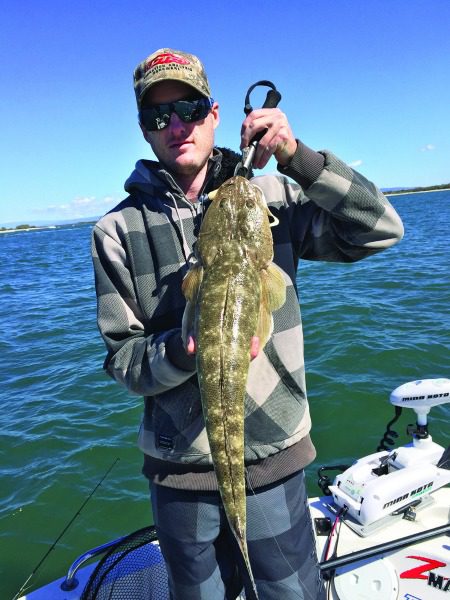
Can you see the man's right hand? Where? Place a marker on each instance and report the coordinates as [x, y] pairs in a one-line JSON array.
[[178, 354], [191, 346]]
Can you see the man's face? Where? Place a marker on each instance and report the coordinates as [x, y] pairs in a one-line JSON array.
[[184, 148]]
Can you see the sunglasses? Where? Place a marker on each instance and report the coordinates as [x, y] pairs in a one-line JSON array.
[[157, 117]]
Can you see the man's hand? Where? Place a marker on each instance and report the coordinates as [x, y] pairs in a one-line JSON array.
[[191, 346], [278, 139], [177, 353]]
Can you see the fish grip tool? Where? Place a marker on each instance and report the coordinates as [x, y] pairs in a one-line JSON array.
[[273, 97]]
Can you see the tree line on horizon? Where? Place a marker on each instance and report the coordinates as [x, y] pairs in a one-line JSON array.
[[18, 227], [428, 188]]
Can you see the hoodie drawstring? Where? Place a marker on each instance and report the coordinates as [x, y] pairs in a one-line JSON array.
[[187, 252]]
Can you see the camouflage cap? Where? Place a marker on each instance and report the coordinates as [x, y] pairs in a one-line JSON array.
[[167, 64]]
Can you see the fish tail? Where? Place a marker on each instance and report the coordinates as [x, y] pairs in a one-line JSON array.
[[245, 568], [251, 593]]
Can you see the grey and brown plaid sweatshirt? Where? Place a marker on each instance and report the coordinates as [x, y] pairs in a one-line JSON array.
[[141, 250]]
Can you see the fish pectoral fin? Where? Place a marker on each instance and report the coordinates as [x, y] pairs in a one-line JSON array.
[[273, 288], [264, 327], [273, 296], [191, 282]]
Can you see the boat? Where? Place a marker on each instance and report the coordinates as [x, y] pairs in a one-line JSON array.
[[381, 526]]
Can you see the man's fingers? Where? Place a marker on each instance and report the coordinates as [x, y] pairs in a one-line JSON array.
[[277, 140], [254, 347], [191, 346]]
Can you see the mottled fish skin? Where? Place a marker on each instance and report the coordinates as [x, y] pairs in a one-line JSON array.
[[231, 293]]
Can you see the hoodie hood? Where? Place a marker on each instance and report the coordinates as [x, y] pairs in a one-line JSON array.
[[155, 184], [150, 176]]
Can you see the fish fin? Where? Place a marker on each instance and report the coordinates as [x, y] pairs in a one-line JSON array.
[[273, 296], [252, 593], [248, 578], [191, 282], [264, 326], [273, 288]]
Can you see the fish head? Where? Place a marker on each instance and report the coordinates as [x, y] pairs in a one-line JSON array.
[[238, 211]]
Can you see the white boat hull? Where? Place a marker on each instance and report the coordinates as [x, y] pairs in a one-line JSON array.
[[417, 572]]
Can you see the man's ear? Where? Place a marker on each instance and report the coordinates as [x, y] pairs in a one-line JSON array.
[[215, 113]]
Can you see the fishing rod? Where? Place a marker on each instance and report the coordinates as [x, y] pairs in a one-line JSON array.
[[52, 547], [347, 559], [273, 97]]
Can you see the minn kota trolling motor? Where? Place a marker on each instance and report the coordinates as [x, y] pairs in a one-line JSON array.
[[393, 481]]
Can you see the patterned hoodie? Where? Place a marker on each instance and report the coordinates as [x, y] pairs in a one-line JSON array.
[[141, 252]]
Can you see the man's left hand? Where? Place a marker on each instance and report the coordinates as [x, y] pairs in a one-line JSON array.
[[278, 139]]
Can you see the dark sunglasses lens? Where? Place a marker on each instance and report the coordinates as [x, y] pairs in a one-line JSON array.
[[189, 111], [155, 117]]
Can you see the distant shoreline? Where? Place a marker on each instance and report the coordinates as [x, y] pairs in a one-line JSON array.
[[44, 227], [402, 192], [415, 191], [17, 229]]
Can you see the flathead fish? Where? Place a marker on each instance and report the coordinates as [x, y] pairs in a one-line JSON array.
[[231, 292]]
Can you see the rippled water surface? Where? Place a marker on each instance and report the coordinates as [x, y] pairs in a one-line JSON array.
[[369, 327]]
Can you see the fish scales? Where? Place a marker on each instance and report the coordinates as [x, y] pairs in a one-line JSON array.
[[231, 292], [223, 362]]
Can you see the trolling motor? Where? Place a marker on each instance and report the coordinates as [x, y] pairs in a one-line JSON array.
[[421, 395], [390, 481]]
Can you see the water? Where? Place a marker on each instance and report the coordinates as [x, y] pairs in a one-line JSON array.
[[368, 328]]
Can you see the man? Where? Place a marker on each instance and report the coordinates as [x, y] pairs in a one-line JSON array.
[[141, 252]]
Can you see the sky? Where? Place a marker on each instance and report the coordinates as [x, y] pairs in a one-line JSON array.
[[368, 80]]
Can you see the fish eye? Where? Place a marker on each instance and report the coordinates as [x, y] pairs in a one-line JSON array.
[[249, 201]]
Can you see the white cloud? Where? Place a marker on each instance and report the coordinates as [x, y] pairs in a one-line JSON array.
[[428, 148], [80, 207], [356, 163], [84, 201]]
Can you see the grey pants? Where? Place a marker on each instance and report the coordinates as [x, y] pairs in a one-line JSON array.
[[201, 555]]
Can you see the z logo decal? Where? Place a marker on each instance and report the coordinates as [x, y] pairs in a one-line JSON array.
[[418, 572]]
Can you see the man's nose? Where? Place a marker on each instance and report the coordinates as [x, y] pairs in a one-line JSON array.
[[177, 125]]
